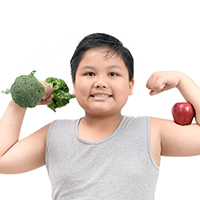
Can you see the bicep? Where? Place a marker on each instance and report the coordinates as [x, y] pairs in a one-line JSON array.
[[25, 155], [179, 140]]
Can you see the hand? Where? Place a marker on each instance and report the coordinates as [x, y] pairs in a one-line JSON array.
[[47, 96], [161, 81]]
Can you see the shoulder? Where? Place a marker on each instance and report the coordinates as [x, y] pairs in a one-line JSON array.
[[137, 120], [59, 127], [141, 123], [63, 123]]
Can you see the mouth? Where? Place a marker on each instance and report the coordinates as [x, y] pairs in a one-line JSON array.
[[100, 97]]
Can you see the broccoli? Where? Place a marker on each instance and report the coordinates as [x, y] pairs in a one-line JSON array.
[[61, 95], [27, 91]]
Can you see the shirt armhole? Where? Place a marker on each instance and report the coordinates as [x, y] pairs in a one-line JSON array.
[[148, 124], [47, 150]]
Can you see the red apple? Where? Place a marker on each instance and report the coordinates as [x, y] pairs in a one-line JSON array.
[[183, 113]]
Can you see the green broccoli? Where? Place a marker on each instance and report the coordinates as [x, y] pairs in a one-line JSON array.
[[61, 95], [27, 91]]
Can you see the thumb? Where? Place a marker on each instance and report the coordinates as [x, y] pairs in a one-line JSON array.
[[154, 92]]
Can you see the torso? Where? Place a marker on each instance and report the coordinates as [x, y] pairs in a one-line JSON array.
[[87, 133], [97, 170]]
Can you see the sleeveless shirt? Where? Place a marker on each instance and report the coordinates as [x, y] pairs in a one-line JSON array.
[[119, 167]]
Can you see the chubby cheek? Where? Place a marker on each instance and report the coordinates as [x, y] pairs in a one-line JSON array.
[[80, 91], [122, 94]]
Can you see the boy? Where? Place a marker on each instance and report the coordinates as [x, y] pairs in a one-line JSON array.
[[103, 155]]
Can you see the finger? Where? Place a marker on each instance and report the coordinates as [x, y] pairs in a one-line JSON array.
[[157, 90], [153, 92], [46, 101], [48, 90], [162, 86]]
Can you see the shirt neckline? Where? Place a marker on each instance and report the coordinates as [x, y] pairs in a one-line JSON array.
[[101, 141]]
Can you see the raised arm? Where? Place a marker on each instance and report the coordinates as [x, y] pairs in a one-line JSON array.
[[173, 139], [161, 81], [20, 156], [191, 93], [10, 125]]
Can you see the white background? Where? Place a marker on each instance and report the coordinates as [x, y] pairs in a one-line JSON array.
[[42, 35]]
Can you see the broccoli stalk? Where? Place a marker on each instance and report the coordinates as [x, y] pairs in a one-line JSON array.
[[27, 91]]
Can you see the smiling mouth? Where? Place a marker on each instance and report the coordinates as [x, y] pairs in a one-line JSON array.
[[101, 95]]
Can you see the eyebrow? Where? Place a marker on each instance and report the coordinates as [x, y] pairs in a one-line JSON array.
[[87, 67], [114, 66], [109, 67]]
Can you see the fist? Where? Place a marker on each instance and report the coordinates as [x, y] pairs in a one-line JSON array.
[[47, 96]]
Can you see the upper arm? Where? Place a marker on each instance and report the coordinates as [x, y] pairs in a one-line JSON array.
[[177, 140], [27, 154]]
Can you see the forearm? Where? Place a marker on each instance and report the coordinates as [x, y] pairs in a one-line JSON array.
[[10, 126], [191, 92]]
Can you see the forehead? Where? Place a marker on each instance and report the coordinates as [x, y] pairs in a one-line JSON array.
[[103, 54]]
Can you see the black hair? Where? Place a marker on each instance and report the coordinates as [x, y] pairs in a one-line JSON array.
[[96, 40]]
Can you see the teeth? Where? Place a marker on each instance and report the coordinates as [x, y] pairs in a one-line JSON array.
[[101, 95]]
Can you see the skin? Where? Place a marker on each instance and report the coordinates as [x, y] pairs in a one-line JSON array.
[[102, 88]]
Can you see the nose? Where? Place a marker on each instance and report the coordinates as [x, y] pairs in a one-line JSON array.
[[100, 82]]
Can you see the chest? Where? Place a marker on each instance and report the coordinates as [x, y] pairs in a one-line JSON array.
[[81, 164], [105, 169]]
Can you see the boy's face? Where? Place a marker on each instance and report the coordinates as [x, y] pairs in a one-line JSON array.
[[102, 83]]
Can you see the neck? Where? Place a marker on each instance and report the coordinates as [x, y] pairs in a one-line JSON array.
[[104, 119], [96, 128]]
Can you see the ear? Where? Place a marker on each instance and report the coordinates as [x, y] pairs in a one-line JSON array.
[[74, 93], [131, 84]]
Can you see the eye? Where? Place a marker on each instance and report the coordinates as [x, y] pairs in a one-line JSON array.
[[89, 74], [112, 74]]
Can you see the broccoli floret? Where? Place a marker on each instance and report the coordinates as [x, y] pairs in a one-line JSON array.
[[61, 95], [27, 91]]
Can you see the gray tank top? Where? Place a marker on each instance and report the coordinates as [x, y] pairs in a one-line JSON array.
[[119, 167]]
